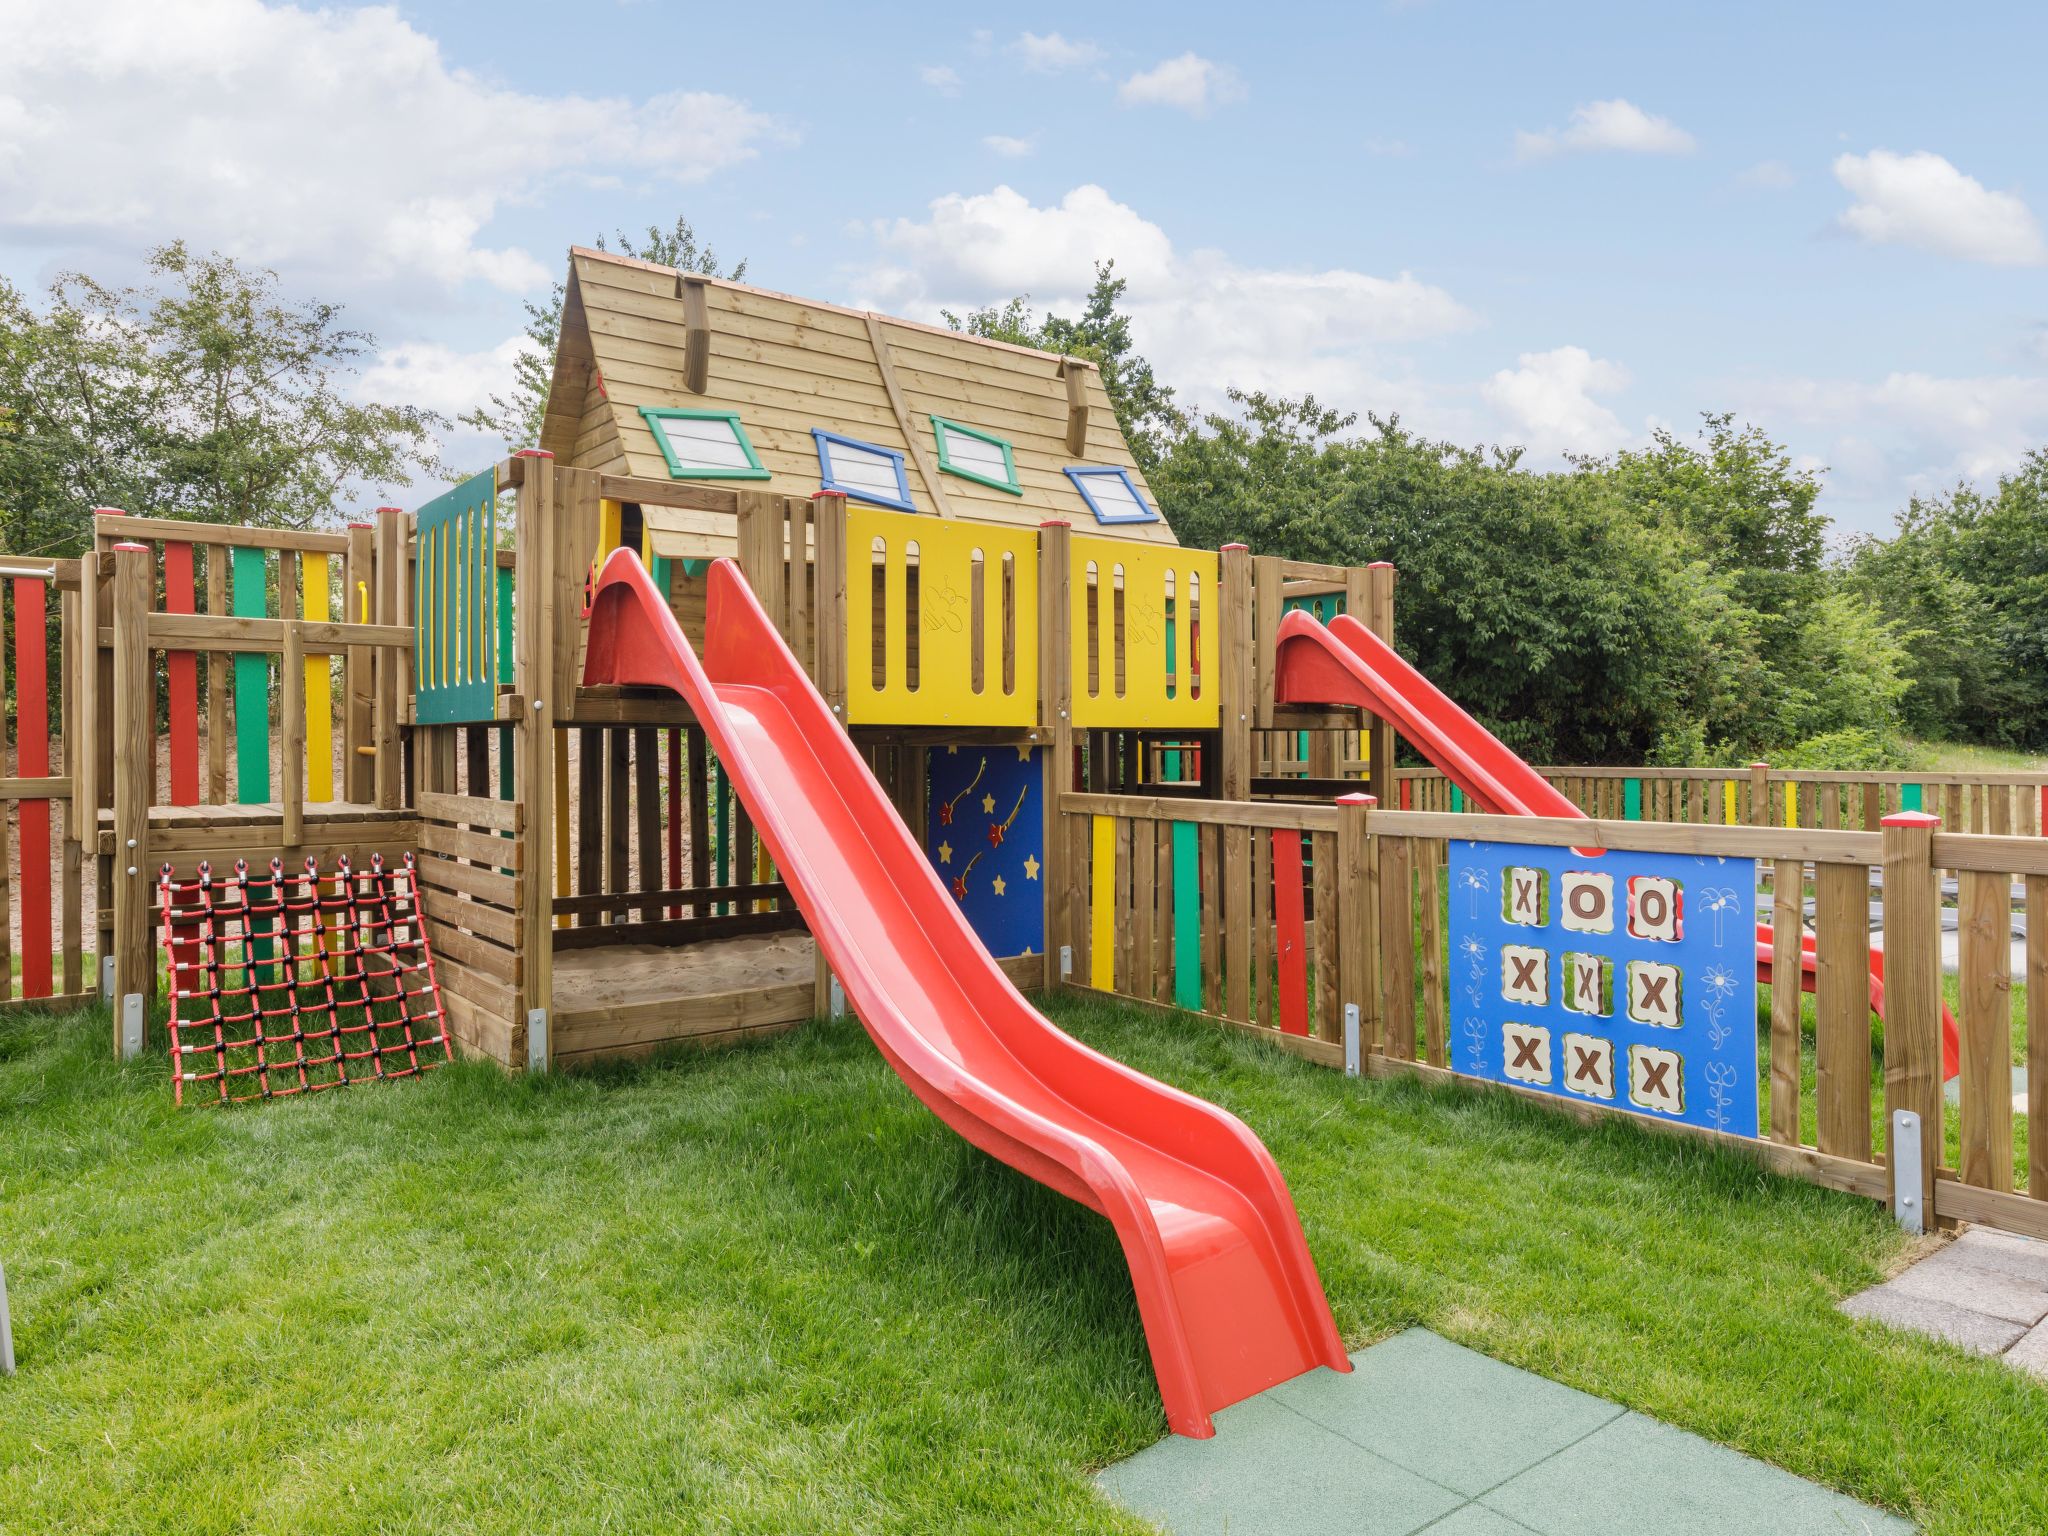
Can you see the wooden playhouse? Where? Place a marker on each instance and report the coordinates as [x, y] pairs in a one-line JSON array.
[[951, 532]]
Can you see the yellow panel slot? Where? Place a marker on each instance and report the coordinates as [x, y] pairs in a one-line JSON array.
[[1136, 682], [319, 685], [945, 693]]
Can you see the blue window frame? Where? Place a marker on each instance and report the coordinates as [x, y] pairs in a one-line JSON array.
[[864, 471], [1112, 495]]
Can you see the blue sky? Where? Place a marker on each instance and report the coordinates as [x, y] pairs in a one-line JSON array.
[[1556, 226]]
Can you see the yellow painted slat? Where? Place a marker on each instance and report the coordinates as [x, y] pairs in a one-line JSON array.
[[319, 684], [1102, 908], [1146, 700], [1728, 803]]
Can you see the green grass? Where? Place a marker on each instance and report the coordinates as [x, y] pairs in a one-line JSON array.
[[1964, 757], [766, 1291]]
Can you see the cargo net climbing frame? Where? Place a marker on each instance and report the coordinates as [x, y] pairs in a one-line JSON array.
[[284, 984]]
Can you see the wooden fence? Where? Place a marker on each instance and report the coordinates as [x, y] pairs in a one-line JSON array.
[[1276, 918]]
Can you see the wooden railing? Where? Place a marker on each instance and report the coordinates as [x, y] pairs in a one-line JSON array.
[[1280, 918]]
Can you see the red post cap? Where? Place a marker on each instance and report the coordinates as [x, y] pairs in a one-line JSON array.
[[1055, 522], [129, 548], [821, 495], [1223, 547], [533, 453], [1380, 565], [108, 512], [1357, 799], [1910, 819], [390, 511]]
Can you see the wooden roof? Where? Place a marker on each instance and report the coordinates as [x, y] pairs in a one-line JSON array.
[[788, 365]]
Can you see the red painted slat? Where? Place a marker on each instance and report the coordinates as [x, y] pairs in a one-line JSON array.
[[1287, 919], [32, 761], [183, 669]]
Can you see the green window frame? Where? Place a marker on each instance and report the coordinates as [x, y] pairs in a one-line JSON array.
[[943, 425], [655, 415]]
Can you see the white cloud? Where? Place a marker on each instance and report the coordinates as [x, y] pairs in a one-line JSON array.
[[1053, 53], [338, 142], [1009, 148], [436, 376], [1607, 125], [943, 78], [1769, 176], [1205, 320], [1389, 149], [1921, 200], [1906, 433], [1547, 403], [1191, 83]]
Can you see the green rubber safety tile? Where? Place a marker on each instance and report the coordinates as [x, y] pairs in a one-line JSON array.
[[1269, 1470], [1636, 1474], [1446, 1412], [1476, 1520]]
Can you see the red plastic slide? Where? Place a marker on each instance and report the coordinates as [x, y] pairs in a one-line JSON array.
[[1343, 662], [1226, 1289]]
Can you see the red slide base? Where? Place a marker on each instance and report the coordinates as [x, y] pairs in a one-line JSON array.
[[1225, 1286]]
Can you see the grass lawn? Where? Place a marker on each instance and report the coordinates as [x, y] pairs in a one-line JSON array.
[[766, 1291]]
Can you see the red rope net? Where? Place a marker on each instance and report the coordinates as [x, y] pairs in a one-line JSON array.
[[284, 984]]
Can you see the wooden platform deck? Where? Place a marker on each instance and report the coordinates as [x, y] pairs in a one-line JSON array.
[[630, 999]]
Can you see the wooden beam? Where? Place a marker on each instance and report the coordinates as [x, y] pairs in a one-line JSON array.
[[696, 332], [1075, 372], [134, 771], [925, 470]]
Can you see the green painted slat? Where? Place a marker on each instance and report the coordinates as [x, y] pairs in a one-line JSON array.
[[1457, 798], [252, 686], [506, 675], [1632, 799], [1187, 917], [1909, 797]]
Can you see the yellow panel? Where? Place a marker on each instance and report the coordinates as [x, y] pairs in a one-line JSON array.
[[1728, 803], [1157, 687], [945, 692], [319, 685], [1102, 908]]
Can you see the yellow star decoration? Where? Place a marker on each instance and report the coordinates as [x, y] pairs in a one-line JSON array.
[[1030, 869], [945, 853], [952, 751], [988, 805], [1023, 754], [997, 885]]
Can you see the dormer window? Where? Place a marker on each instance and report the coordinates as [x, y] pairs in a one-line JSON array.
[[703, 445], [864, 471], [975, 455], [1112, 495]]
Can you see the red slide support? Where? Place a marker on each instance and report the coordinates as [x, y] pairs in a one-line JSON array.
[[1343, 662], [1226, 1289]]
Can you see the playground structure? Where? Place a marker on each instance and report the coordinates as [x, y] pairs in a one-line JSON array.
[[952, 549]]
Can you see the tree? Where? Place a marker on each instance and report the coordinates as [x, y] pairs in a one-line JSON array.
[[204, 396], [515, 419]]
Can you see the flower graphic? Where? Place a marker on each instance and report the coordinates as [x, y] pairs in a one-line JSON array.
[[1476, 1036], [1721, 1077], [1718, 982]]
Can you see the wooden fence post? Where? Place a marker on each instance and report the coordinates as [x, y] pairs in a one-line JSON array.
[[1759, 794], [533, 741], [388, 772], [1357, 917], [1238, 686], [358, 683], [134, 774], [1379, 618], [1912, 987], [828, 518], [1055, 714]]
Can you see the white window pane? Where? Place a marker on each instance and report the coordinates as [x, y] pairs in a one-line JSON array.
[[972, 453], [860, 469], [1114, 497], [704, 444]]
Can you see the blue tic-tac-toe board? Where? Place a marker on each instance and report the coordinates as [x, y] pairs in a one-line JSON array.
[[1626, 979]]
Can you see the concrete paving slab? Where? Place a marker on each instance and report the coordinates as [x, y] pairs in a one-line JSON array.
[[2021, 1257], [1968, 1330], [1639, 1475], [1504, 1419], [2030, 1354], [1950, 1276], [1269, 1469]]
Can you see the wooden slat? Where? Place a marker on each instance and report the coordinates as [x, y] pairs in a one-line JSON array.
[[1842, 1009], [1435, 995], [1984, 1023], [1788, 879], [469, 810], [1397, 947]]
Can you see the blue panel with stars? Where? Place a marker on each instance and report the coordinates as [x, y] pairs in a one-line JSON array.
[[986, 838]]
